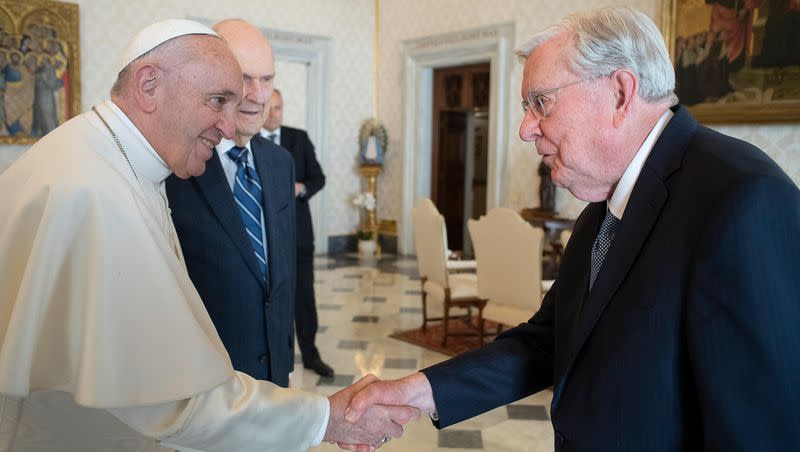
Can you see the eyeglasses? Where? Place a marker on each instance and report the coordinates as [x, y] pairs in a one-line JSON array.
[[538, 102]]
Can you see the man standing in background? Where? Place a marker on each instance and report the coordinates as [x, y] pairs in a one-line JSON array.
[[236, 225], [309, 179]]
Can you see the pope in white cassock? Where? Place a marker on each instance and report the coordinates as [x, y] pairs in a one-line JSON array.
[[104, 343]]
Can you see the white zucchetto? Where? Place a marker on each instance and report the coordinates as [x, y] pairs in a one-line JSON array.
[[158, 33]]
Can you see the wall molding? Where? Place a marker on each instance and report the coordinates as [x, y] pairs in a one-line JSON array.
[[421, 56]]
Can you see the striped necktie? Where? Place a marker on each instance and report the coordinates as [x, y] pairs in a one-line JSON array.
[[602, 243], [247, 194]]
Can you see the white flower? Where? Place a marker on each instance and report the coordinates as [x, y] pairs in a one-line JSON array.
[[365, 200]]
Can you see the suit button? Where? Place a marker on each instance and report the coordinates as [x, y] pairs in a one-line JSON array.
[[262, 359]]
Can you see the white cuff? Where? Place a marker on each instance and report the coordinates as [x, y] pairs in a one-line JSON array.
[[324, 427]]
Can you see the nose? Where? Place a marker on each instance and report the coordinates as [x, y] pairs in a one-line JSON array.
[[256, 91], [227, 123], [529, 127]]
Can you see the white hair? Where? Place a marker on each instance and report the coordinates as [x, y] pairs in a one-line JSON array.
[[610, 38]]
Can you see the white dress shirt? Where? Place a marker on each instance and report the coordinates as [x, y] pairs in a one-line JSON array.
[[619, 200]]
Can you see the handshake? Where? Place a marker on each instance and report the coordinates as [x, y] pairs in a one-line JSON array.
[[368, 413]]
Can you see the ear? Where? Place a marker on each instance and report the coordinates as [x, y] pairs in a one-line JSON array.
[[625, 85], [145, 81]]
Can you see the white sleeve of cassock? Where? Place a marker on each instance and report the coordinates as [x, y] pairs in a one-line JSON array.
[[242, 414]]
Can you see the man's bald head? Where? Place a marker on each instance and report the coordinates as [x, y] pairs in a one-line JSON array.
[[254, 54]]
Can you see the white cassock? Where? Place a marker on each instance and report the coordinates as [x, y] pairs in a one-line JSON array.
[[104, 341]]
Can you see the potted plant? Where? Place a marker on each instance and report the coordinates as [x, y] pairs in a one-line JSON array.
[[366, 243]]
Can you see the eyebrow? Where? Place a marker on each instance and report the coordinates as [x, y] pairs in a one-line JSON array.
[[262, 78], [226, 93]]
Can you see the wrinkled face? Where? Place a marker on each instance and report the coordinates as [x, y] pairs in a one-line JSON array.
[[199, 108], [571, 138], [254, 55], [274, 112]]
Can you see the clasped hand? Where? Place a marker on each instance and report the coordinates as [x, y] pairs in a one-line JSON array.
[[366, 414]]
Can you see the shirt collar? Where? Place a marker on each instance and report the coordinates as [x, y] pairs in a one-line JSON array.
[[225, 145], [141, 154], [266, 133], [619, 200]]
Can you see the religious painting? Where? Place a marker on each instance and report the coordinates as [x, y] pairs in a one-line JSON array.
[[39, 68], [736, 61]]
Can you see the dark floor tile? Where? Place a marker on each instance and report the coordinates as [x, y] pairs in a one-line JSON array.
[[375, 299], [337, 380], [365, 318], [413, 292], [460, 439], [410, 310], [322, 329], [354, 276], [527, 412], [329, 307], [400, 363], [343, 289], [352, 345]]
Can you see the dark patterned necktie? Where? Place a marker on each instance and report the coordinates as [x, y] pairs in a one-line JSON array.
[[273, 137], [247, 194], [602, 243]]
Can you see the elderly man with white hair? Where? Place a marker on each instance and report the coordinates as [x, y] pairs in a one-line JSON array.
[[105, 344], [672, 324]]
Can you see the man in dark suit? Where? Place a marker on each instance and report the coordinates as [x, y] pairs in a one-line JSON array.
[[236, 225], [672, 324], [309, 179]]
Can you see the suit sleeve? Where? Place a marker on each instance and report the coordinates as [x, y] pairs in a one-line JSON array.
[[743, 306], [515, 365], [314, 177]]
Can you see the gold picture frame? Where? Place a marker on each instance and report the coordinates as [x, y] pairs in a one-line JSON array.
[[40, 84], [734, 61]]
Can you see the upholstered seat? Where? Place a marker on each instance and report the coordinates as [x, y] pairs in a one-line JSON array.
[[444, 295], [509, 255]]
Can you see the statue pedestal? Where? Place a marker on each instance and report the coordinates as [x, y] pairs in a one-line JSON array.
[[371, 173]]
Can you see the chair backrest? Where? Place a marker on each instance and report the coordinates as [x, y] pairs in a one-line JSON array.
[[508, 251], [430, 241], [566, 234]]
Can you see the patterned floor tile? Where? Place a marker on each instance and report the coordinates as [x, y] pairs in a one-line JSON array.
[[527, 412], [460, 439]]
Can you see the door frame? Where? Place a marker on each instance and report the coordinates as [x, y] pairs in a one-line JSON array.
[[492, 43]]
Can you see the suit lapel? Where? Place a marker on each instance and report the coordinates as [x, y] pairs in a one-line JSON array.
[[647, 199], [214, 186], [264, 158], [286, 138]]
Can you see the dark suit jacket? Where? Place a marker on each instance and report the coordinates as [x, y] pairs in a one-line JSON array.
[[307, 171], [253, 321], [689, 337]]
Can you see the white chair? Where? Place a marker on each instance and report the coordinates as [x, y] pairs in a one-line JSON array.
[[451, 294], [509, 255], [564, 237]]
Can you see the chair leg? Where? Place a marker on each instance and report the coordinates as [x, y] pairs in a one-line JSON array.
[[480, 323], [446, 316], [424, 305]]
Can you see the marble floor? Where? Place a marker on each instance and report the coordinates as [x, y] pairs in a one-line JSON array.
[[359, 305]]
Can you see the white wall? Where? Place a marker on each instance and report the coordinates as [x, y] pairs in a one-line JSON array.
[[781, 142], [106, 25]]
